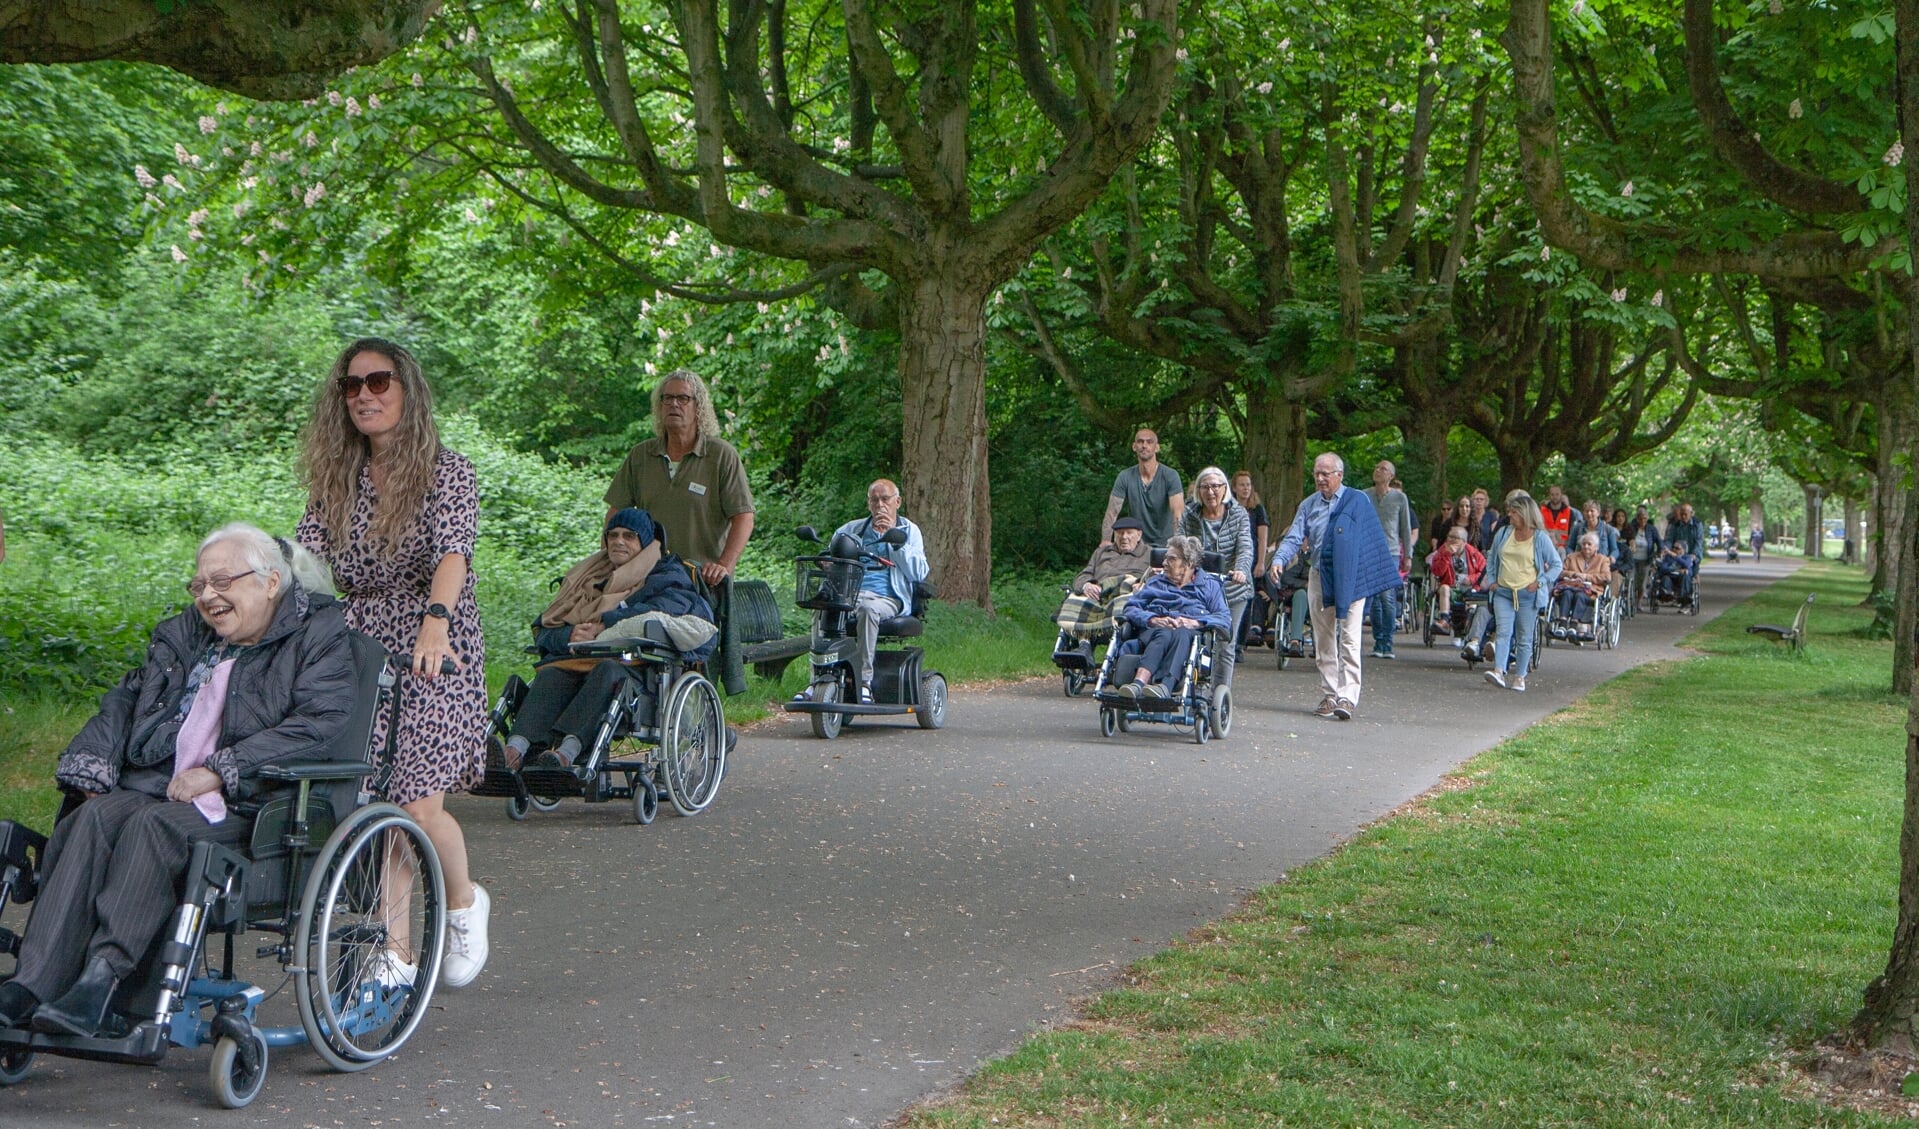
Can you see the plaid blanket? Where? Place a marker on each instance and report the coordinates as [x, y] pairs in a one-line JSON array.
[[1085, 618]]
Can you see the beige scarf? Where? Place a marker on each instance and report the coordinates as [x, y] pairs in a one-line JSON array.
[[594, 586]]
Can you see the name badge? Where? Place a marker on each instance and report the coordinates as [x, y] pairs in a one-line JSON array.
[[696, 487]]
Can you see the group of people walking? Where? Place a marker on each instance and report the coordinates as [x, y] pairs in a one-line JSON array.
[[1343, 561]]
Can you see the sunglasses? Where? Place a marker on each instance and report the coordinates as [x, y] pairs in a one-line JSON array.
[[374, 382], [217, 583]]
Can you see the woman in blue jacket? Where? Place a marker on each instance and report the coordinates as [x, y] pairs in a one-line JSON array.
[[1167, 610], [1520, 570]]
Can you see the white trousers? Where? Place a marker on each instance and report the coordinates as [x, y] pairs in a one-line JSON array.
[[1335, 643]]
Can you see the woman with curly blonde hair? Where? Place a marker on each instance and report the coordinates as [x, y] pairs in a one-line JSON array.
[[396, 514]]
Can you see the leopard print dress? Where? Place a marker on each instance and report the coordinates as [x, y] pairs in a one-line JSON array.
[[441, 745]]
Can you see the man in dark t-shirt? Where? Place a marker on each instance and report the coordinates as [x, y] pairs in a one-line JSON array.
[[1149, 491]]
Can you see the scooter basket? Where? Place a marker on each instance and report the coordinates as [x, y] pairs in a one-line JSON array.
[[827, 584]]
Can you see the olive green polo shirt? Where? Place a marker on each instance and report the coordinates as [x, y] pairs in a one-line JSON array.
[[695, 505]]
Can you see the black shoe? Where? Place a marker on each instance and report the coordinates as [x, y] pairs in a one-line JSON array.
[[83, 1010], [732, 738], [16, 1005]]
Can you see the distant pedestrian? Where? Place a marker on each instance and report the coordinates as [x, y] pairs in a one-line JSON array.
[[1350, 562], [1397, 523], [1149, 490], [1758, 540]]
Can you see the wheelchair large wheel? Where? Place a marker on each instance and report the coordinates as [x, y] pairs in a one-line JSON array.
[[15, 1065], [377, 882], [931, 712], [234, 1085], [826, 724], [693, 743], [1219, 712]]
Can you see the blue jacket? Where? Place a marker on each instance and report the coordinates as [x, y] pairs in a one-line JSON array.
[[1690, 534], [1545, 558], [909, 560], [1355, 563], [1202, 599], [668, 588], [1608, 537]]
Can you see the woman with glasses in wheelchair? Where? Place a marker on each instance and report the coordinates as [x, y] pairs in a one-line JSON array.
[[259, 671], [630, 576], [1166, 612]]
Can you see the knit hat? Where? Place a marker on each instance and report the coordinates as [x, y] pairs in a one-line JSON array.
[[637, 520]]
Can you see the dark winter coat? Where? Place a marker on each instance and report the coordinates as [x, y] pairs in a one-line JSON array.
[[288, 696]]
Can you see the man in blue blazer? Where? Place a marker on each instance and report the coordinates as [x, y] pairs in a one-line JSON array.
[[1351, 562]]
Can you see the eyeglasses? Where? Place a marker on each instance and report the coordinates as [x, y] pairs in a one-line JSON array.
[[1212, 486], [679, 398], [374, 382], [217, 583], [1328, 473]]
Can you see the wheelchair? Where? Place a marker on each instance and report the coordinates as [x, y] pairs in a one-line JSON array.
[[828, 585], [1602, 630], [662, 732], [1073, 655], [1455, 617], [1201, 708], [1672, 586], [1480, 626], [323, 878]]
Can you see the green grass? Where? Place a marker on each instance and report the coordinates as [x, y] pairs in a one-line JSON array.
[[1636, 913], [962, 642]]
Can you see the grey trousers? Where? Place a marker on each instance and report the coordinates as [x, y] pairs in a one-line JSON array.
[[873, 608], [111, 878]]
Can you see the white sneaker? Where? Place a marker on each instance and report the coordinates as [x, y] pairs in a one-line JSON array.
[[466, 944], [388, 972], [1519, 684], [1496, 678]]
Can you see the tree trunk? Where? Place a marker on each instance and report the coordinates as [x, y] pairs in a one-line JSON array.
[[1869, 553], [943, 483], [1276, 451], [1427, 436], [1852, 531], [1897, 571], [1887, 1017], [1756, 513], [1814, 544], [1516, 467]]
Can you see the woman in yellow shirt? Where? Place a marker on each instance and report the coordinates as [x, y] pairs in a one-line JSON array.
[[1520, 571]]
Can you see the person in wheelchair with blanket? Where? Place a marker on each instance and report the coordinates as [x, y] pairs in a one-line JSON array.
[[1585, 575], [1166, 612], [631, 582], [259, 671], [1099, 593]]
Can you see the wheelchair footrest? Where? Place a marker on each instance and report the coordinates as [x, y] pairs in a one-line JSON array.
[[146, 1044]]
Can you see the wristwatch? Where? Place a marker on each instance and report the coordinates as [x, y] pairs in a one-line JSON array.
[[438, 611]]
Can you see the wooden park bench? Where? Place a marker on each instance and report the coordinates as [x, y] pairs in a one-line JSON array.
[[760, 630], [1795, 635]]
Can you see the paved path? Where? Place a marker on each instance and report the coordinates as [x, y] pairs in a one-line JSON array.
[[858, 924]]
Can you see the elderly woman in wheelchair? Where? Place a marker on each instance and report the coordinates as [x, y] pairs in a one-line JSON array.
[[613, 642], [259, 671], [228, 784]]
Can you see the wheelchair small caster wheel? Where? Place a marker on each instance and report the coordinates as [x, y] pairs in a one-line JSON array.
[[15, 1066], [646, 802], [234, 1084], [1108, 721], [518, 808]]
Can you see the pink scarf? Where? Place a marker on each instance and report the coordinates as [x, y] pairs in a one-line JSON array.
[[200, 737]]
